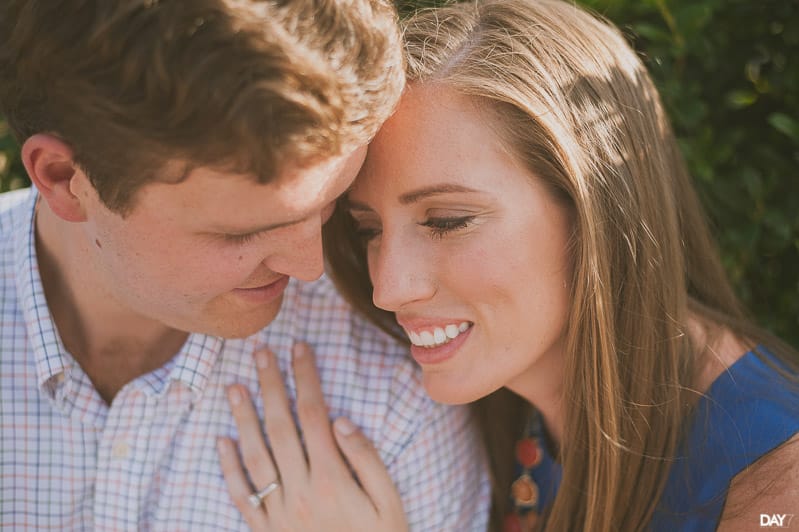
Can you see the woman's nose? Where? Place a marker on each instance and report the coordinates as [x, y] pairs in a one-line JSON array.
[[400, 274]]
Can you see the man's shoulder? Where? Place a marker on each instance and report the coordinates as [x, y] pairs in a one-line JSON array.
[[318, 307], [15, 214], [316, 313], [321, 288]]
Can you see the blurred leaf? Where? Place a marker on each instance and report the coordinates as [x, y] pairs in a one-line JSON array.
[[651, 32], [741, 98], [785, 124], [692, 17]]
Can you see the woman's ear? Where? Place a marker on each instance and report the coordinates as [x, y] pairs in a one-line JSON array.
[[52, 170]]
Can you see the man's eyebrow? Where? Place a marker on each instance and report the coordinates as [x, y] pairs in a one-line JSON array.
[[252, 230], [415, 195]]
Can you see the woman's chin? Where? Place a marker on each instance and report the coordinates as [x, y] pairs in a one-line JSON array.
[[451, 390]]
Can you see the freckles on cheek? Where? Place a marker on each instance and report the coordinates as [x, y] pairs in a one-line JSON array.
[[486, 262]]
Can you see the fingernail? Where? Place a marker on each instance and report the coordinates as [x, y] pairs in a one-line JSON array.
[[234, 396], [344, 426], [261, 360]]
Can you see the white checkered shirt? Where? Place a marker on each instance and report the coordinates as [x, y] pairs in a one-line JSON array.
[[148, 461]]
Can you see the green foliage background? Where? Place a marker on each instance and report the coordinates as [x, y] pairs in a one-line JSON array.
[[728, 71]]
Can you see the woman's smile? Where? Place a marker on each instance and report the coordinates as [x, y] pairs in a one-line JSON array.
[[434, 341]]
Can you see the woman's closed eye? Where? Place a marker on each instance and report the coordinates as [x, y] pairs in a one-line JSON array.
[[366, 233], [439, 227], [366, 227]]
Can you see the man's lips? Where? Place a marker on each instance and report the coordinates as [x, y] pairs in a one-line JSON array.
[[264, 293], [261, 286]]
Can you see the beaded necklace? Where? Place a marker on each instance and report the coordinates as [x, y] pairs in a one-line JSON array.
[[537, 475]]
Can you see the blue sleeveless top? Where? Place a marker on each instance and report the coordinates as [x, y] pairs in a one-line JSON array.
[[748, 411]]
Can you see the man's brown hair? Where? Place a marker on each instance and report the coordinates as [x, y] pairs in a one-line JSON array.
[[241, 85]]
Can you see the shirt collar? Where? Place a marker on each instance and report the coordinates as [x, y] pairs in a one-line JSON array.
[[195, 362], [50, 356]]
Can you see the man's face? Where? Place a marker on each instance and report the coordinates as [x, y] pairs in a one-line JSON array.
[[213, 253]]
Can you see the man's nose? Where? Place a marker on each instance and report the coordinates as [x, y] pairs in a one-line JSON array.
[[300, 254]]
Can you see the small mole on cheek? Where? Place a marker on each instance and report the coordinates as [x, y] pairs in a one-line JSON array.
[[241, 257], [99, 245]]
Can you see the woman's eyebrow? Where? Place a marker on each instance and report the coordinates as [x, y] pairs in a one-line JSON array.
[[432, 190], [414, 195]]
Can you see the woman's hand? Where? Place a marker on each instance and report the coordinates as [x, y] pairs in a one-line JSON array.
[[313, 493]]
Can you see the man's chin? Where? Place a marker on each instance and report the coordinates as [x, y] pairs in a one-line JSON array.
[[242, 326], [236, 334], [250, 324]]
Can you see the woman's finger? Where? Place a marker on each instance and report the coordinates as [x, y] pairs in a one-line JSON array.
[[256, 456], [313, 414], [238, 486], [280, 428], [368, 466]]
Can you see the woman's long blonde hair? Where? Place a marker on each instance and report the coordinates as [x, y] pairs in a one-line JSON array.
[[572, 101]]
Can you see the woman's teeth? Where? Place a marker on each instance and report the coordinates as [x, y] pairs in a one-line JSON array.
[[439, 335]]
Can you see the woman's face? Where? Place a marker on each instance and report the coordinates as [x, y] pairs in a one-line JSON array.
[[466, 247]]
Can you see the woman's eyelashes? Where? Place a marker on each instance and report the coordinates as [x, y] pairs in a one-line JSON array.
[[437, 227], [366, 234]]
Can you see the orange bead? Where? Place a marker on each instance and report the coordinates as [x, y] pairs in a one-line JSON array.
[[524, 492]]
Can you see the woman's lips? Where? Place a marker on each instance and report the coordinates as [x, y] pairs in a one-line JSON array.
[[263, 294], [441, 353]]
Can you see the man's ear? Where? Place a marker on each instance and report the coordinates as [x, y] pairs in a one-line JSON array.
[[53, 171]]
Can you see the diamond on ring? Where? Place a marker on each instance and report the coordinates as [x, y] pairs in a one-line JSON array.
[[257, 498]]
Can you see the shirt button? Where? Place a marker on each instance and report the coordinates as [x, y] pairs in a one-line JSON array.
[[121, 449]]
